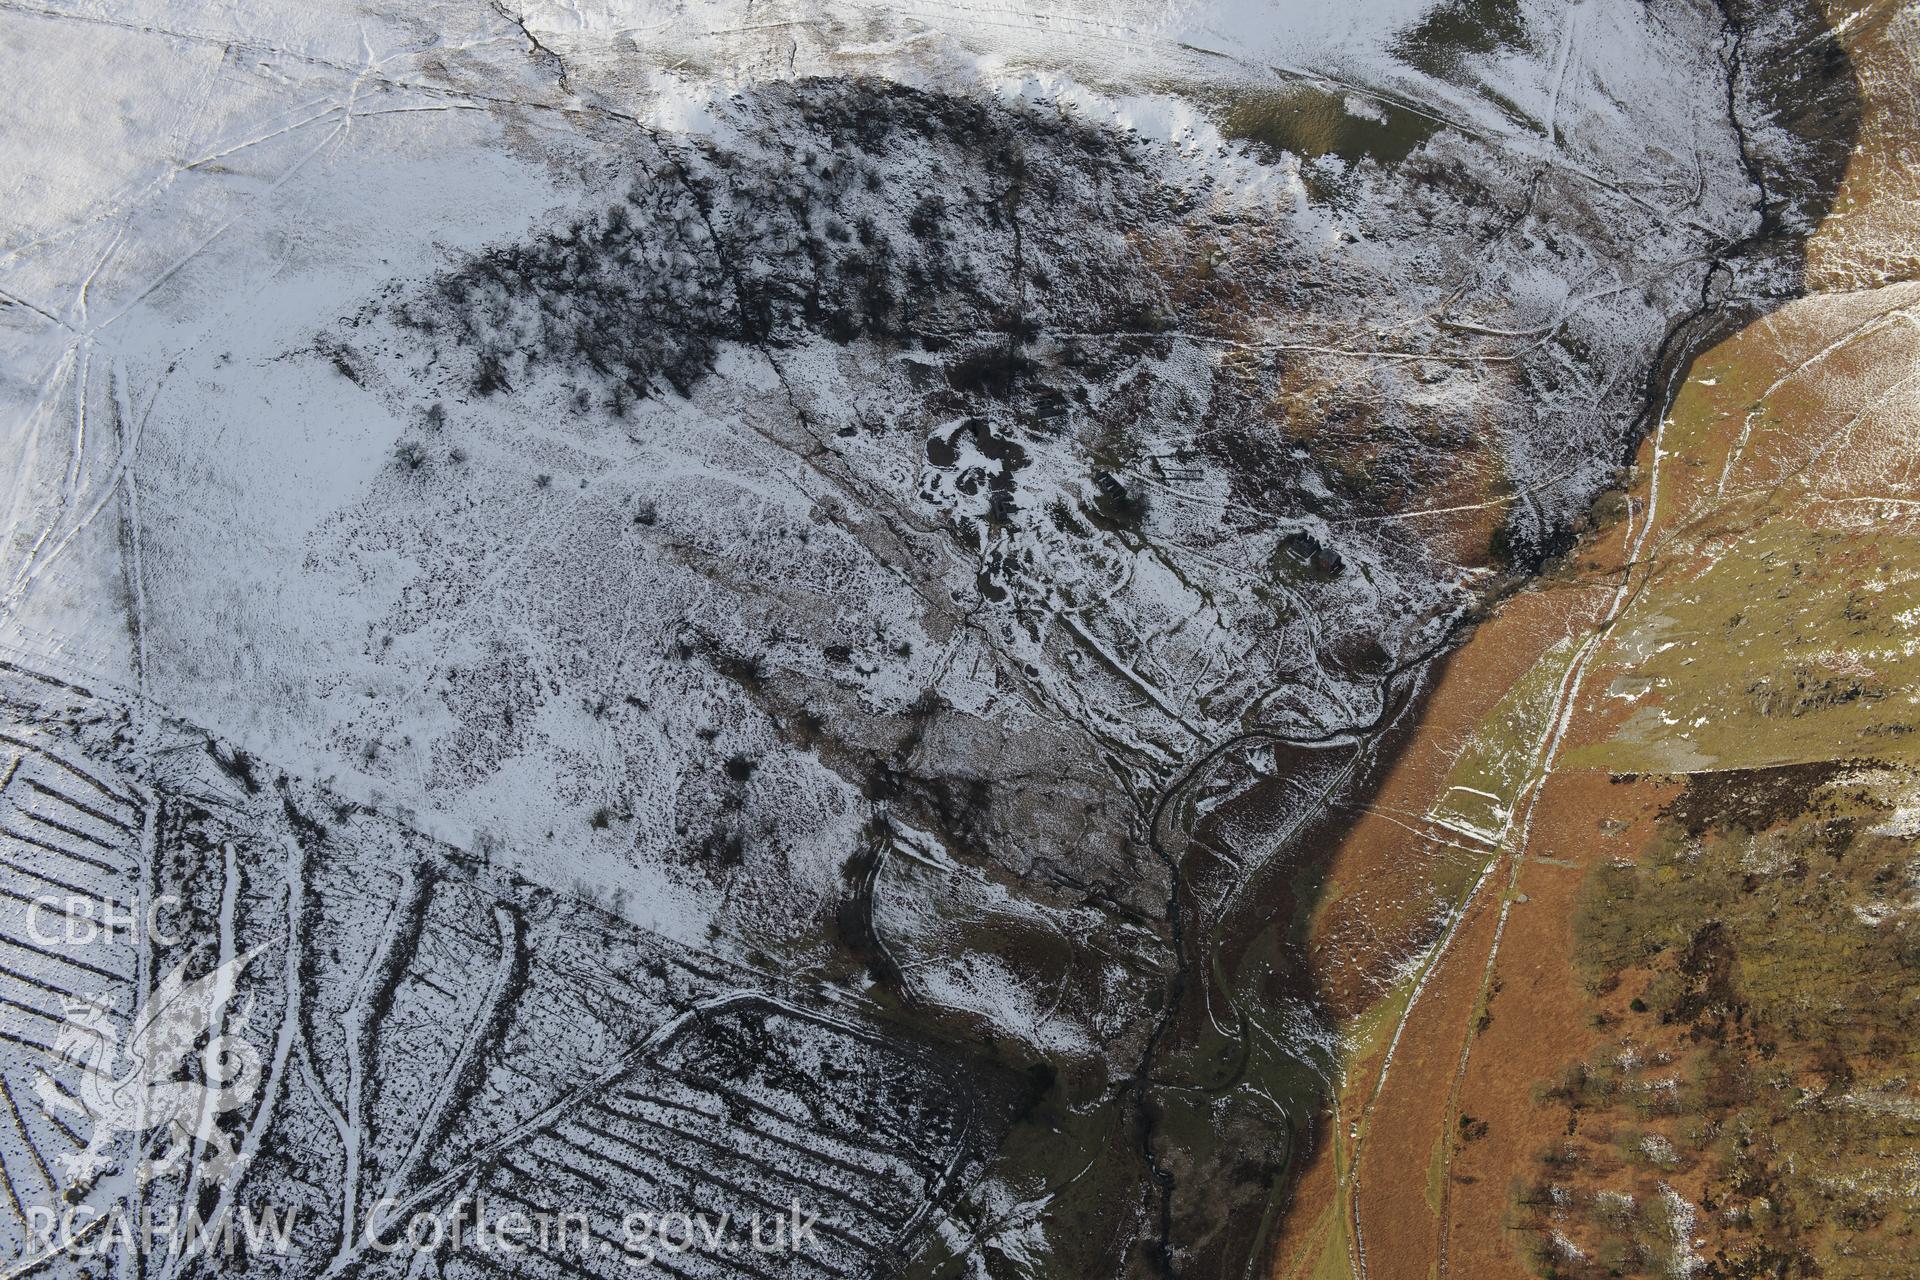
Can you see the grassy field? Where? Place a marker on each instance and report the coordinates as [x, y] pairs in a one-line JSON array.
[[1661, 1018]]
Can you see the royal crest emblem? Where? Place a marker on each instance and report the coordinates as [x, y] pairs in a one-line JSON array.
[[147, 1084]]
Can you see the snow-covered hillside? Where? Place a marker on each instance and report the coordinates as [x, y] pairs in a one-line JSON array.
[[835, 489]]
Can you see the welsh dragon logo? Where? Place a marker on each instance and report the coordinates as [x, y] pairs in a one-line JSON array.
[[145, 1085]]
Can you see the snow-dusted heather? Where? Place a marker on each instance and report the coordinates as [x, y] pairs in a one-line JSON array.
[[841, 490]]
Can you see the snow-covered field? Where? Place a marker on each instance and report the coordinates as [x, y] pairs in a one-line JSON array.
[[804, 485]]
